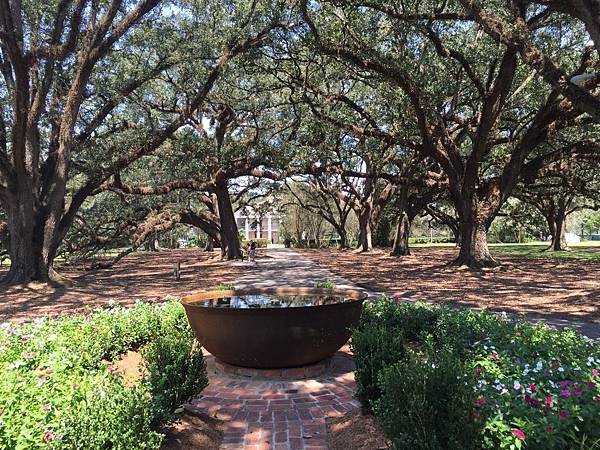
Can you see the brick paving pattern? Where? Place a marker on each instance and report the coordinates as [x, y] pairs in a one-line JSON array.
[[265, 414]]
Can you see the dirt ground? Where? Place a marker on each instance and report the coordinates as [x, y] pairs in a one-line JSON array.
[[147, 277], [354, 431], [193, 432], [542, 287]]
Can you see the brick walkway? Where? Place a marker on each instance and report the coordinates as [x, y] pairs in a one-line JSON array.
[[262, 414]]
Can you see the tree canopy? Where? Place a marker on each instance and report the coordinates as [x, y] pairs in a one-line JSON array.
[[120, 119]]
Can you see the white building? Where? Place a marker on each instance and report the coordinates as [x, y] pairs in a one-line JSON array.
[[256, 224]]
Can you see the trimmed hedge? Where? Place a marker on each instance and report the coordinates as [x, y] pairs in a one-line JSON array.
[[59, 389], [446, 378]]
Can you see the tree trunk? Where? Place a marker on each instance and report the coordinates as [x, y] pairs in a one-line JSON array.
[[32, 244], [230, 238], [341, 231], [474, 251], [400, 247], [365, 243], [556, 225], [210, 244]]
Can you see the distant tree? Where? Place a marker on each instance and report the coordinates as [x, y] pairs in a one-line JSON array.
[[474, 108]]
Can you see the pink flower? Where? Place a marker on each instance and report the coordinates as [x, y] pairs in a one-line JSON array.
[[477, 371], [75, 386], [480, 401], [597, 398], [24, 339], [578, 392], [562, 413], [477, 414], [565, 393], [532, 387], [494, 356], [591, 385], [596, 372], [48, 436], [111, 369], [548, 429], [518, 433], [549, 400], [46, 407], [41, 381], [49, 371]]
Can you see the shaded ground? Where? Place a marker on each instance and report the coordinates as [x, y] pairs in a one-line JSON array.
[[193, 432], [542, 287], [145, 277], [354, 431], [149, 277]]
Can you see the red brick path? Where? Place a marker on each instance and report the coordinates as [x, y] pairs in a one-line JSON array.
[[279, 415]]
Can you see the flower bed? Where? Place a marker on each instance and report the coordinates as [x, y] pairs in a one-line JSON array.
[[60, 387], [443, 378]]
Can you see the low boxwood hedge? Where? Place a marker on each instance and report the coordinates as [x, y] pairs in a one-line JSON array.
[[59, 387]]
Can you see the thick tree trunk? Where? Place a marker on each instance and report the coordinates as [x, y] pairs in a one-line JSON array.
[[341, 231], [32, 244], [474, 250], [400, 247], [230, 238], [154, 245], [365, 243], [210, 244], [556, 225]]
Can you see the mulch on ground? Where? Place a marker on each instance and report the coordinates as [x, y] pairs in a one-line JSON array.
[[147, 277], [355, 431], [539, 287], [193, 432]]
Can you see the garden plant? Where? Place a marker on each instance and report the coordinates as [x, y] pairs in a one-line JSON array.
[[60, 386], [446, 378]]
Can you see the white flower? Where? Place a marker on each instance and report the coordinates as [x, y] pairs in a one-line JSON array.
[[517, 386], [16, 365], [590, 360], [539, 366], [561, 369], [504, 391]]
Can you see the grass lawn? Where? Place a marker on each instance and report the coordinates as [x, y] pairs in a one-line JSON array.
[[585, 251]]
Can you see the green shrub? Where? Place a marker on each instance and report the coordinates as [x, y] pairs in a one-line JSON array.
[[109, 417], [177, 370], [428, 405], [327, 284], [536, 387], [376, 343], [260, 243], [58, 387]]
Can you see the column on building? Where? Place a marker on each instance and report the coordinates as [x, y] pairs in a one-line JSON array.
[[269, 229], [247, 228], [258, 228]]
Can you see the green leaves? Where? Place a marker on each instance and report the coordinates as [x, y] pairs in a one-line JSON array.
[[59, 387]]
